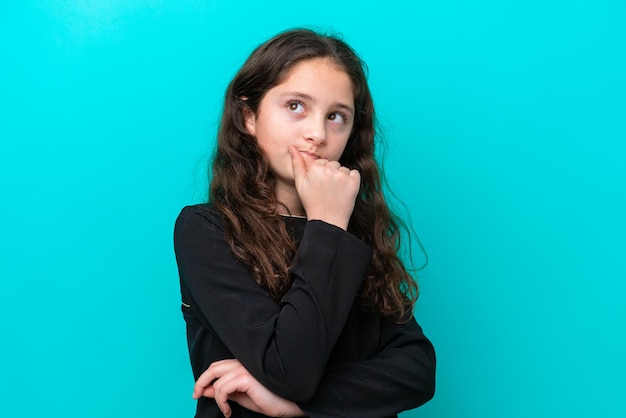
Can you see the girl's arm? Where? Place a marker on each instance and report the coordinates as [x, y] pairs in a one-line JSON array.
[[399, 377], [284, 345]]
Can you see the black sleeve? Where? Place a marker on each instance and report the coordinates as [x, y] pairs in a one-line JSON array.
[[284, 345], [400, 377]]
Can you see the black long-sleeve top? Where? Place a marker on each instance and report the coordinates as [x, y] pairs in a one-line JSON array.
[[314, 346]]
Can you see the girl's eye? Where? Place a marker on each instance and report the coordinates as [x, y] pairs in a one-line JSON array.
[[337, 117], [295, 107]]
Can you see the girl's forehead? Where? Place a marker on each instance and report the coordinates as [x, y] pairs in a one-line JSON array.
[[312, 65], [317, 76]]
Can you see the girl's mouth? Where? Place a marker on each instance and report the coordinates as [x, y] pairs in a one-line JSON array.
[[310, 154]]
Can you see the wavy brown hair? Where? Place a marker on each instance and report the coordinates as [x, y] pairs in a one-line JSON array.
[[242, 185]]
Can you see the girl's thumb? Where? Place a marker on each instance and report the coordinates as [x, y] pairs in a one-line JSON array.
[[297, 163]]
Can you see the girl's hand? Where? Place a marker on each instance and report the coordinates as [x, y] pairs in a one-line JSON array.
[[228, 380], [326, 189]]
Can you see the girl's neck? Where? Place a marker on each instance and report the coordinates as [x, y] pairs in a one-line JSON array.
[[288, 196]]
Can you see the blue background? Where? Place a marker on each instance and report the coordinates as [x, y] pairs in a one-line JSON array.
[[505, 124]]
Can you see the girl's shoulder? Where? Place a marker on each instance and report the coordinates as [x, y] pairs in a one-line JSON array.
[[199, 215]]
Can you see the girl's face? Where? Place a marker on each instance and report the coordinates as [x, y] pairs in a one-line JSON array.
[[311, 109]]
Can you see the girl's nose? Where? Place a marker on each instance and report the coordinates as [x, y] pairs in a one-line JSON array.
[[315, 130]]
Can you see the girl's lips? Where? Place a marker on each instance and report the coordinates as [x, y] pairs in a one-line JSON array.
[[310, 154]]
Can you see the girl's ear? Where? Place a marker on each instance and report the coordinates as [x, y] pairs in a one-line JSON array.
[[249, 118]]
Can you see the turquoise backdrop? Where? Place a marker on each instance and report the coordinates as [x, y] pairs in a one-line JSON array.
[[505, 124]]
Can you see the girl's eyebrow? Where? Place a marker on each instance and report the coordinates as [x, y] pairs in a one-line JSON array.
[[310, 98]]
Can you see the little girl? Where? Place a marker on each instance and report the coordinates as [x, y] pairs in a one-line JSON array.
[[295, 299]]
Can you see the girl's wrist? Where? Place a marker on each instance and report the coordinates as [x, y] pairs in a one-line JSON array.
[[292, 411]]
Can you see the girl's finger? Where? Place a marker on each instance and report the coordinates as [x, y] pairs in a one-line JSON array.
[[298, 164], [215, 371], [226, 385], [234, 382]]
